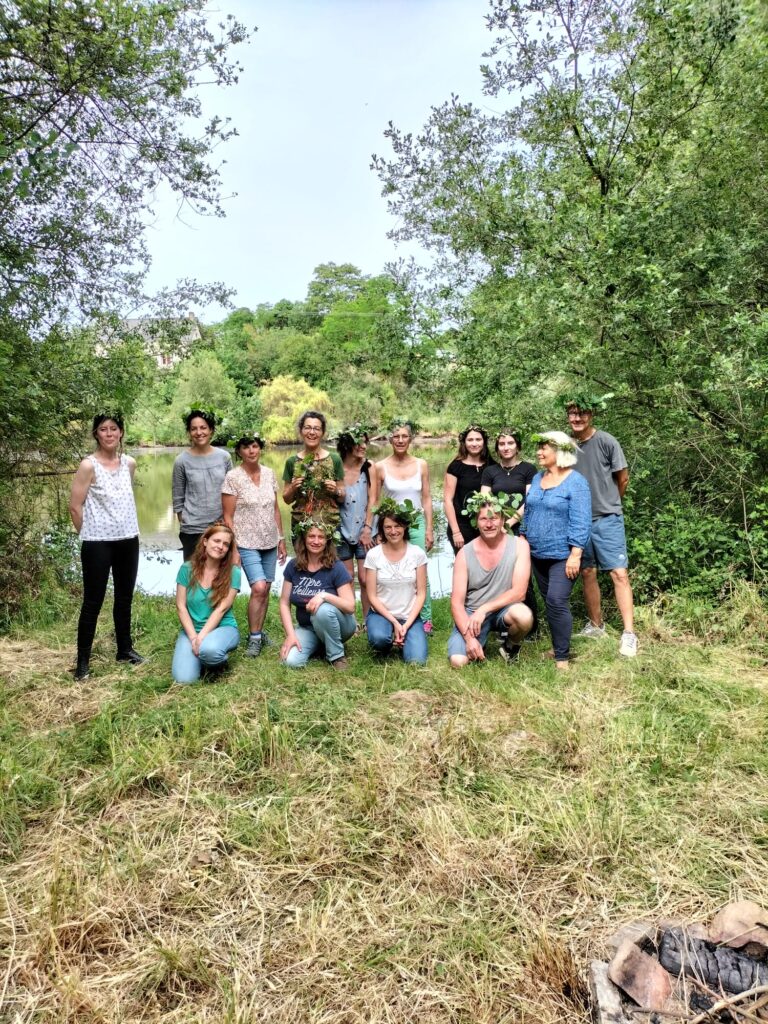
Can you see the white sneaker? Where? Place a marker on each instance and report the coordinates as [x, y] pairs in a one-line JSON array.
[[593, 631], [628, 645]]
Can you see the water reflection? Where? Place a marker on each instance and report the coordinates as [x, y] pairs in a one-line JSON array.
[[160, 549]]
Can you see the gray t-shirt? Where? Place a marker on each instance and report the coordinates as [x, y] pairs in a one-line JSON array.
[[196, 488], [600, 457]]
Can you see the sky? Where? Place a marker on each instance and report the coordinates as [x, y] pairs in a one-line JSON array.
[[322, 80]]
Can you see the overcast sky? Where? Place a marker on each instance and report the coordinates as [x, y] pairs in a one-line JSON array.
[[322, 79]]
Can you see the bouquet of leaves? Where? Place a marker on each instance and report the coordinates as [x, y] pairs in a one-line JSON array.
[[312, 486]]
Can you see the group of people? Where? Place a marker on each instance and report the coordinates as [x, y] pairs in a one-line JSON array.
[[506, 523]]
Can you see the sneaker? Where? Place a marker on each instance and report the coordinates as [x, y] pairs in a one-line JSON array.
[[509, 651], [628, 645], [428, 628], [340, 665], [593, 631], [255, 643], [266, 640]]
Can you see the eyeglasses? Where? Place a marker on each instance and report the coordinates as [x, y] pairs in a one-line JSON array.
[[577, 414]]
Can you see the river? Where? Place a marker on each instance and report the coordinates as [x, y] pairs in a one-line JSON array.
[[160, 548]]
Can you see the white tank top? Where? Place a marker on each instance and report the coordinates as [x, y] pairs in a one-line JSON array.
[[402, 489], [109, 512]]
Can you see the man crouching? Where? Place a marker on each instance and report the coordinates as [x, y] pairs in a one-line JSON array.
[[490, 580]]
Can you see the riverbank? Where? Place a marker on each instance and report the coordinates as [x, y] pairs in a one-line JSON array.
[[392, 844]]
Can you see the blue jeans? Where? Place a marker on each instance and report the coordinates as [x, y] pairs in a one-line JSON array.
[[330, 629], [555, 588], [187, 666], [381, 631], [493, 621]]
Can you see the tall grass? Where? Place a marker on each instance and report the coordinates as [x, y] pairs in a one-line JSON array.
[[394, 844]]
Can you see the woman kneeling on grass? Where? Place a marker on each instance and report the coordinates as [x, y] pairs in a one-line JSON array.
[[206, 588], [321, 588], [396, 579]]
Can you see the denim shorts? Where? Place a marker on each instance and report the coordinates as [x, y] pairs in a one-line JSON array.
[[607, 547], [346, 550], [258, 564], [494, 621]]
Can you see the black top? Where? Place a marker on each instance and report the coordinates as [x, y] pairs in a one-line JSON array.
[[468, 481], [513, 480]]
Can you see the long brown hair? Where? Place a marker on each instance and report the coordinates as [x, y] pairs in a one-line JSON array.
[[222, 582], [327, 558]]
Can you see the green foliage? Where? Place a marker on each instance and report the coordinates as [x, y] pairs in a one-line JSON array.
[[203, 383], [606, 232], [283, 400]]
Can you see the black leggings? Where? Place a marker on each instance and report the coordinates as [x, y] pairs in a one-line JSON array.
[[98, 557]]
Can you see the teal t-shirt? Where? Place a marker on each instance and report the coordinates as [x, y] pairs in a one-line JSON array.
[[199, 598]]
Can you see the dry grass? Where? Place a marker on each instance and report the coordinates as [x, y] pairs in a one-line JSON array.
[[389, 846]]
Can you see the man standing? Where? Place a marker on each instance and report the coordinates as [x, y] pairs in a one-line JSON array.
[[602, 462], [490, 580]]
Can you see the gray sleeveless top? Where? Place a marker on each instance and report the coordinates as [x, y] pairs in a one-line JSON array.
[[483, 585]]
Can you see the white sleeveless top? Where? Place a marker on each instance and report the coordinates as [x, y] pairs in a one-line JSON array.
[[402, 489], [109, 512]]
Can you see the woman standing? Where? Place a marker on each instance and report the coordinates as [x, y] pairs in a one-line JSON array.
[[206, 588], [249, 503], [396, 575], [320, 587], [404, 477], [198, 474], [462, 478], [352, 447], [103, 512], [511, 475], [558, 521], [314, 478]]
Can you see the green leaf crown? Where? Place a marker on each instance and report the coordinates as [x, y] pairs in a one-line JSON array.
[[407, 511], [200, 409], [501, 504], [303, 526], [571, 446], [586, 401], [358, 432], [394, 424]]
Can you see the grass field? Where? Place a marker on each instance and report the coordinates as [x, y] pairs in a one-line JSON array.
[[393, 844]]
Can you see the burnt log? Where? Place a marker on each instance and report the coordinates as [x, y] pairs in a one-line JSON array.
[[718, 967]]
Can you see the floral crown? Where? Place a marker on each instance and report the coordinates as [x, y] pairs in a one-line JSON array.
[[249, 437], [587, 401], [302, 528], [407, 511], [109, 414], [501, 504]]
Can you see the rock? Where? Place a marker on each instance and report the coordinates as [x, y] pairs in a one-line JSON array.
[[639, 932], [606, 998], [739, 924], [640, 976]]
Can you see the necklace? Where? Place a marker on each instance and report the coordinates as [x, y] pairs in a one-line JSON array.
[[508, 469]]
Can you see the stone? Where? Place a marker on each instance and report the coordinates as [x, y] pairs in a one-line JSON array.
[[606, 998], [640, 976], [739, 924]]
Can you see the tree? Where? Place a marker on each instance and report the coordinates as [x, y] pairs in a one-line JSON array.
[[97, 101], [611, 228], [283, 400]]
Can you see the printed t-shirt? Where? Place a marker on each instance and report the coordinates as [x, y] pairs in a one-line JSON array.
[[254, 517], [396, 581], [305, 585], [199, 603]]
